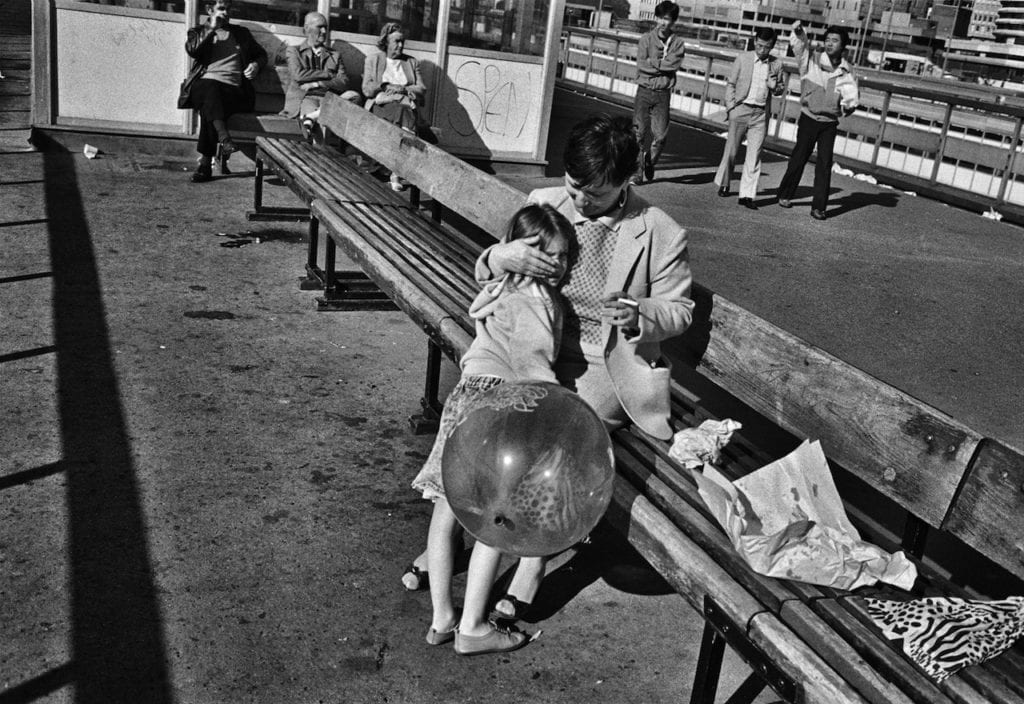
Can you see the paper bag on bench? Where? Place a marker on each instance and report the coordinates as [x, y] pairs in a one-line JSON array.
[[787, 520]]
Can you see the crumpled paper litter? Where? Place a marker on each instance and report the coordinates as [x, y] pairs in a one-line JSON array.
[[787, 520]]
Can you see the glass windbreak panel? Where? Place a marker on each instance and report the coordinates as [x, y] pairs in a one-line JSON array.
[[418, 17], [161, 5], [511, 26], [287, 12]]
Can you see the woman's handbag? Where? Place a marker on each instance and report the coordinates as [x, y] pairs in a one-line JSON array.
[[185, 90]]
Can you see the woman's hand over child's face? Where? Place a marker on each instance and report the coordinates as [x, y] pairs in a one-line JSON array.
[[523, 256]]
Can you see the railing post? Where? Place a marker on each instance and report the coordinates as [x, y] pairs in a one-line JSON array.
[[590, 61], [942, 143], [881, 128], [707, 84], [615, 65], [1011, 158]]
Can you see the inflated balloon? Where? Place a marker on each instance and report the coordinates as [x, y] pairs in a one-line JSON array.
[[528, 469]]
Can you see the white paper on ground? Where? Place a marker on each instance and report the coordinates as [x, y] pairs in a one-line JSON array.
[[787, 520]]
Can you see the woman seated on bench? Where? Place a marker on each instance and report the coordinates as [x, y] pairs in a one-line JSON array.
[[627, 288], [393, 85], [226, 58]]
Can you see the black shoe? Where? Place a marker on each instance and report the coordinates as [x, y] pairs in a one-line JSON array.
[[648, 168], [818, 214], [202, 174], [785, 203], [723, 191], [226, 148], [222, 166], [747, 203]]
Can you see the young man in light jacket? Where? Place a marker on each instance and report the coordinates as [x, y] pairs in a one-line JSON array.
[[755, 77], [659, 54], [828, 91]]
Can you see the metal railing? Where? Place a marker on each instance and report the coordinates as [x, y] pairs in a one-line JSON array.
[[920, 131]]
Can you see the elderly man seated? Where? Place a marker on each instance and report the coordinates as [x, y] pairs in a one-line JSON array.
[[316, 70]]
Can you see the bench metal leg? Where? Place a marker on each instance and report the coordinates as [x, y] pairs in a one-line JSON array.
[[348, 290], [314, 278], [429, 420], [719, 630], [709, 666], [263, 213]]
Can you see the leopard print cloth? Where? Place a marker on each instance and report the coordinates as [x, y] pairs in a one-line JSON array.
[[944, 635]]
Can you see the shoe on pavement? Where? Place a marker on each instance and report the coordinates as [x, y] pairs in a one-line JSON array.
[[202, 174], [785, 203], [818, 214], [723, 191], [498, 640], [747, 203]]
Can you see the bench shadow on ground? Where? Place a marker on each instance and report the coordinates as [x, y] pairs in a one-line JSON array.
[[608, 557]]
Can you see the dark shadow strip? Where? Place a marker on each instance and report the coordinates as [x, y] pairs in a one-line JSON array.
[[39, 687], [16, 223], [117, 633], [38, 351], [26, 277], [30, 475]]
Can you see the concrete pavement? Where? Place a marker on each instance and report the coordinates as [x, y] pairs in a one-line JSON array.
[[204, 487]]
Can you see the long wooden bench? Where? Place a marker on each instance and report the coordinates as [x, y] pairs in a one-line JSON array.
[[931, 475]]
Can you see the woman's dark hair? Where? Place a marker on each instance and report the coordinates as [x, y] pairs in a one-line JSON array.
[[602, 149], [388, 29], [543, 220]]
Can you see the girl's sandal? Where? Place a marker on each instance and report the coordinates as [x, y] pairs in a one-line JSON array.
[[415, 579], [519, 609]]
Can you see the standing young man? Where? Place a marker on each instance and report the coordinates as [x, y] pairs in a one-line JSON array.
[[755, 77], [828, 91], [659, 55]]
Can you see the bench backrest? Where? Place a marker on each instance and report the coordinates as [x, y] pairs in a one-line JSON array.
[[909, 451], [480, 198], [934, 467]]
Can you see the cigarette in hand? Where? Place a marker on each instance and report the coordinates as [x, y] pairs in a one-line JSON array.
[[628, 302]]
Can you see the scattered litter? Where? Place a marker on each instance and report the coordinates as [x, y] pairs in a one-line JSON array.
[[90, 151], [991, 214], [837, 169], [867, 178], [163, 347], [910, 193], [239, 239]]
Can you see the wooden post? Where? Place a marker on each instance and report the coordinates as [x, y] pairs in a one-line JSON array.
[[1011, 158], [881, 128], [942, 143], [43, 61]]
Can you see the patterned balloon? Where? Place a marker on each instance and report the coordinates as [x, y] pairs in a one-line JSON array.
[[528, 469]]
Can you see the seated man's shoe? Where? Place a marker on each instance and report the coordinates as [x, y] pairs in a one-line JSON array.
[[723, 191], [222, 166], [785, 203], [818, 214], [747, 203], [202, 174], [648, 168], [497, 640], [225, 148]]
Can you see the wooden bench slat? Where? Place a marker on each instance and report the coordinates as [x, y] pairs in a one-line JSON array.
[[485, 201], [448, 334], [989, 513], [889, 439], [401, 258]]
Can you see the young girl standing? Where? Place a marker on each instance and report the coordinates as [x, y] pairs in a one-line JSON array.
[[518, 326]]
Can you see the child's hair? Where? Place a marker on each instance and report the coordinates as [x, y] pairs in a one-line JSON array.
[[667, 8], [766, 34], [543, 220]]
